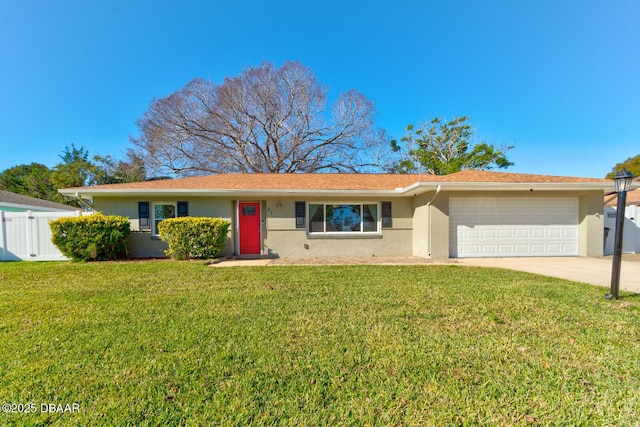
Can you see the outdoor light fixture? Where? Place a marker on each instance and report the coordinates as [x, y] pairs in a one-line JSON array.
[[623, 183]]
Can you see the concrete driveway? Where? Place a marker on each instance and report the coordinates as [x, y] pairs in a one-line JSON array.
[[596, 271]]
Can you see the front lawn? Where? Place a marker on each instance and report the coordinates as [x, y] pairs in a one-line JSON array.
[[180, 343]]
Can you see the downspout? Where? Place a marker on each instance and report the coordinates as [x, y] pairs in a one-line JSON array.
[[438, 188]]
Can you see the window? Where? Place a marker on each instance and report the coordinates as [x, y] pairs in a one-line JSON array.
[[248, 211], [162, 211], [343, 218]]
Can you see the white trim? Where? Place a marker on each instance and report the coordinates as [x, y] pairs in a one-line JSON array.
[[411, 190], [236, 228], [360, 233], [245, 194], [513, 186], [154, 231]]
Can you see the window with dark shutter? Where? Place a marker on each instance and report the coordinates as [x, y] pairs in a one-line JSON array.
[[143, 216], [183, 209], [300, 215], [344, 218], [386, 215]]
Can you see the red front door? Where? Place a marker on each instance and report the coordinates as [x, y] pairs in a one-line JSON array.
[[249, 228]]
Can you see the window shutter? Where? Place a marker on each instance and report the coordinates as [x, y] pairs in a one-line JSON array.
[[300, 215], [143, 216], [386, 215], [183, 209]]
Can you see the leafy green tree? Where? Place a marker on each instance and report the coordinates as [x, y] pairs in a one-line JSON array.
[[632, 164], [30, 180], [75, 170], [443, 147]]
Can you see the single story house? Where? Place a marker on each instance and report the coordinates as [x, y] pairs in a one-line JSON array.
[[12, 202], [466, 214]]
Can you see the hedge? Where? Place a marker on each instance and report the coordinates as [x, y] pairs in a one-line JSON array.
[[193, 237], [93, 237]]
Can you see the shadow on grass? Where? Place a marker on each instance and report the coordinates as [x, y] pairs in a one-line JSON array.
[[630, 297]]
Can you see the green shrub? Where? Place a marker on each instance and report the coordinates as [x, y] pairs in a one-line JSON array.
[[194, 237], [93, 237]]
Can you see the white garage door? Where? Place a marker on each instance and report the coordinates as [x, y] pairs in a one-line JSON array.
[[513, 226]]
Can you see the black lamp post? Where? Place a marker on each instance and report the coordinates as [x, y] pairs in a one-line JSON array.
[[623, 182]]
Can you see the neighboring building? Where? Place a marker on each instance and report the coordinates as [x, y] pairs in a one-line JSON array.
[[631, 230], [633, 197], [12, 202], [466, 214]]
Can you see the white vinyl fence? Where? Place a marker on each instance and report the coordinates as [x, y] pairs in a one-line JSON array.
[[26, 236], [631, 230]]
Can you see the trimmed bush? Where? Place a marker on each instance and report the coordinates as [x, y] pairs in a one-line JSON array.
[[194, 237], [94, 237]]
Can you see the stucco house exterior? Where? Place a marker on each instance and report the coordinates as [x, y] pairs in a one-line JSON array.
[[466, 214]]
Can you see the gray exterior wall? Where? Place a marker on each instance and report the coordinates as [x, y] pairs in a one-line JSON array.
[[439, 227], [420, 231], [142, 244], [590, 220], [591, 225], [282, 238], [420, 224]]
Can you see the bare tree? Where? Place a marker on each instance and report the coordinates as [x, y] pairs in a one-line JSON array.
[[264, 120]]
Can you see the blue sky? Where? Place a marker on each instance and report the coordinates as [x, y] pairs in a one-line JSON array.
[[559, 80]]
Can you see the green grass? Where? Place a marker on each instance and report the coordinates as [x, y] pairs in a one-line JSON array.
[[180, 343]]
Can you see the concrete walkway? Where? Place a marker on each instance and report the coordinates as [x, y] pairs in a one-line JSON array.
[[235, 262], [596, 271]]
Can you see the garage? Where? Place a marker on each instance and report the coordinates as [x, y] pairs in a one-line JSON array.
[[513, 226]]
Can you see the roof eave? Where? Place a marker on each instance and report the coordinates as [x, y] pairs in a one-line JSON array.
[[411, 190], [36, 207], [89, 194], [505, 186]]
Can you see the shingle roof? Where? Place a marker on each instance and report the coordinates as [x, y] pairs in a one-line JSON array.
[[19, 199], [633, 198], [516, 178], [363, 182]]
